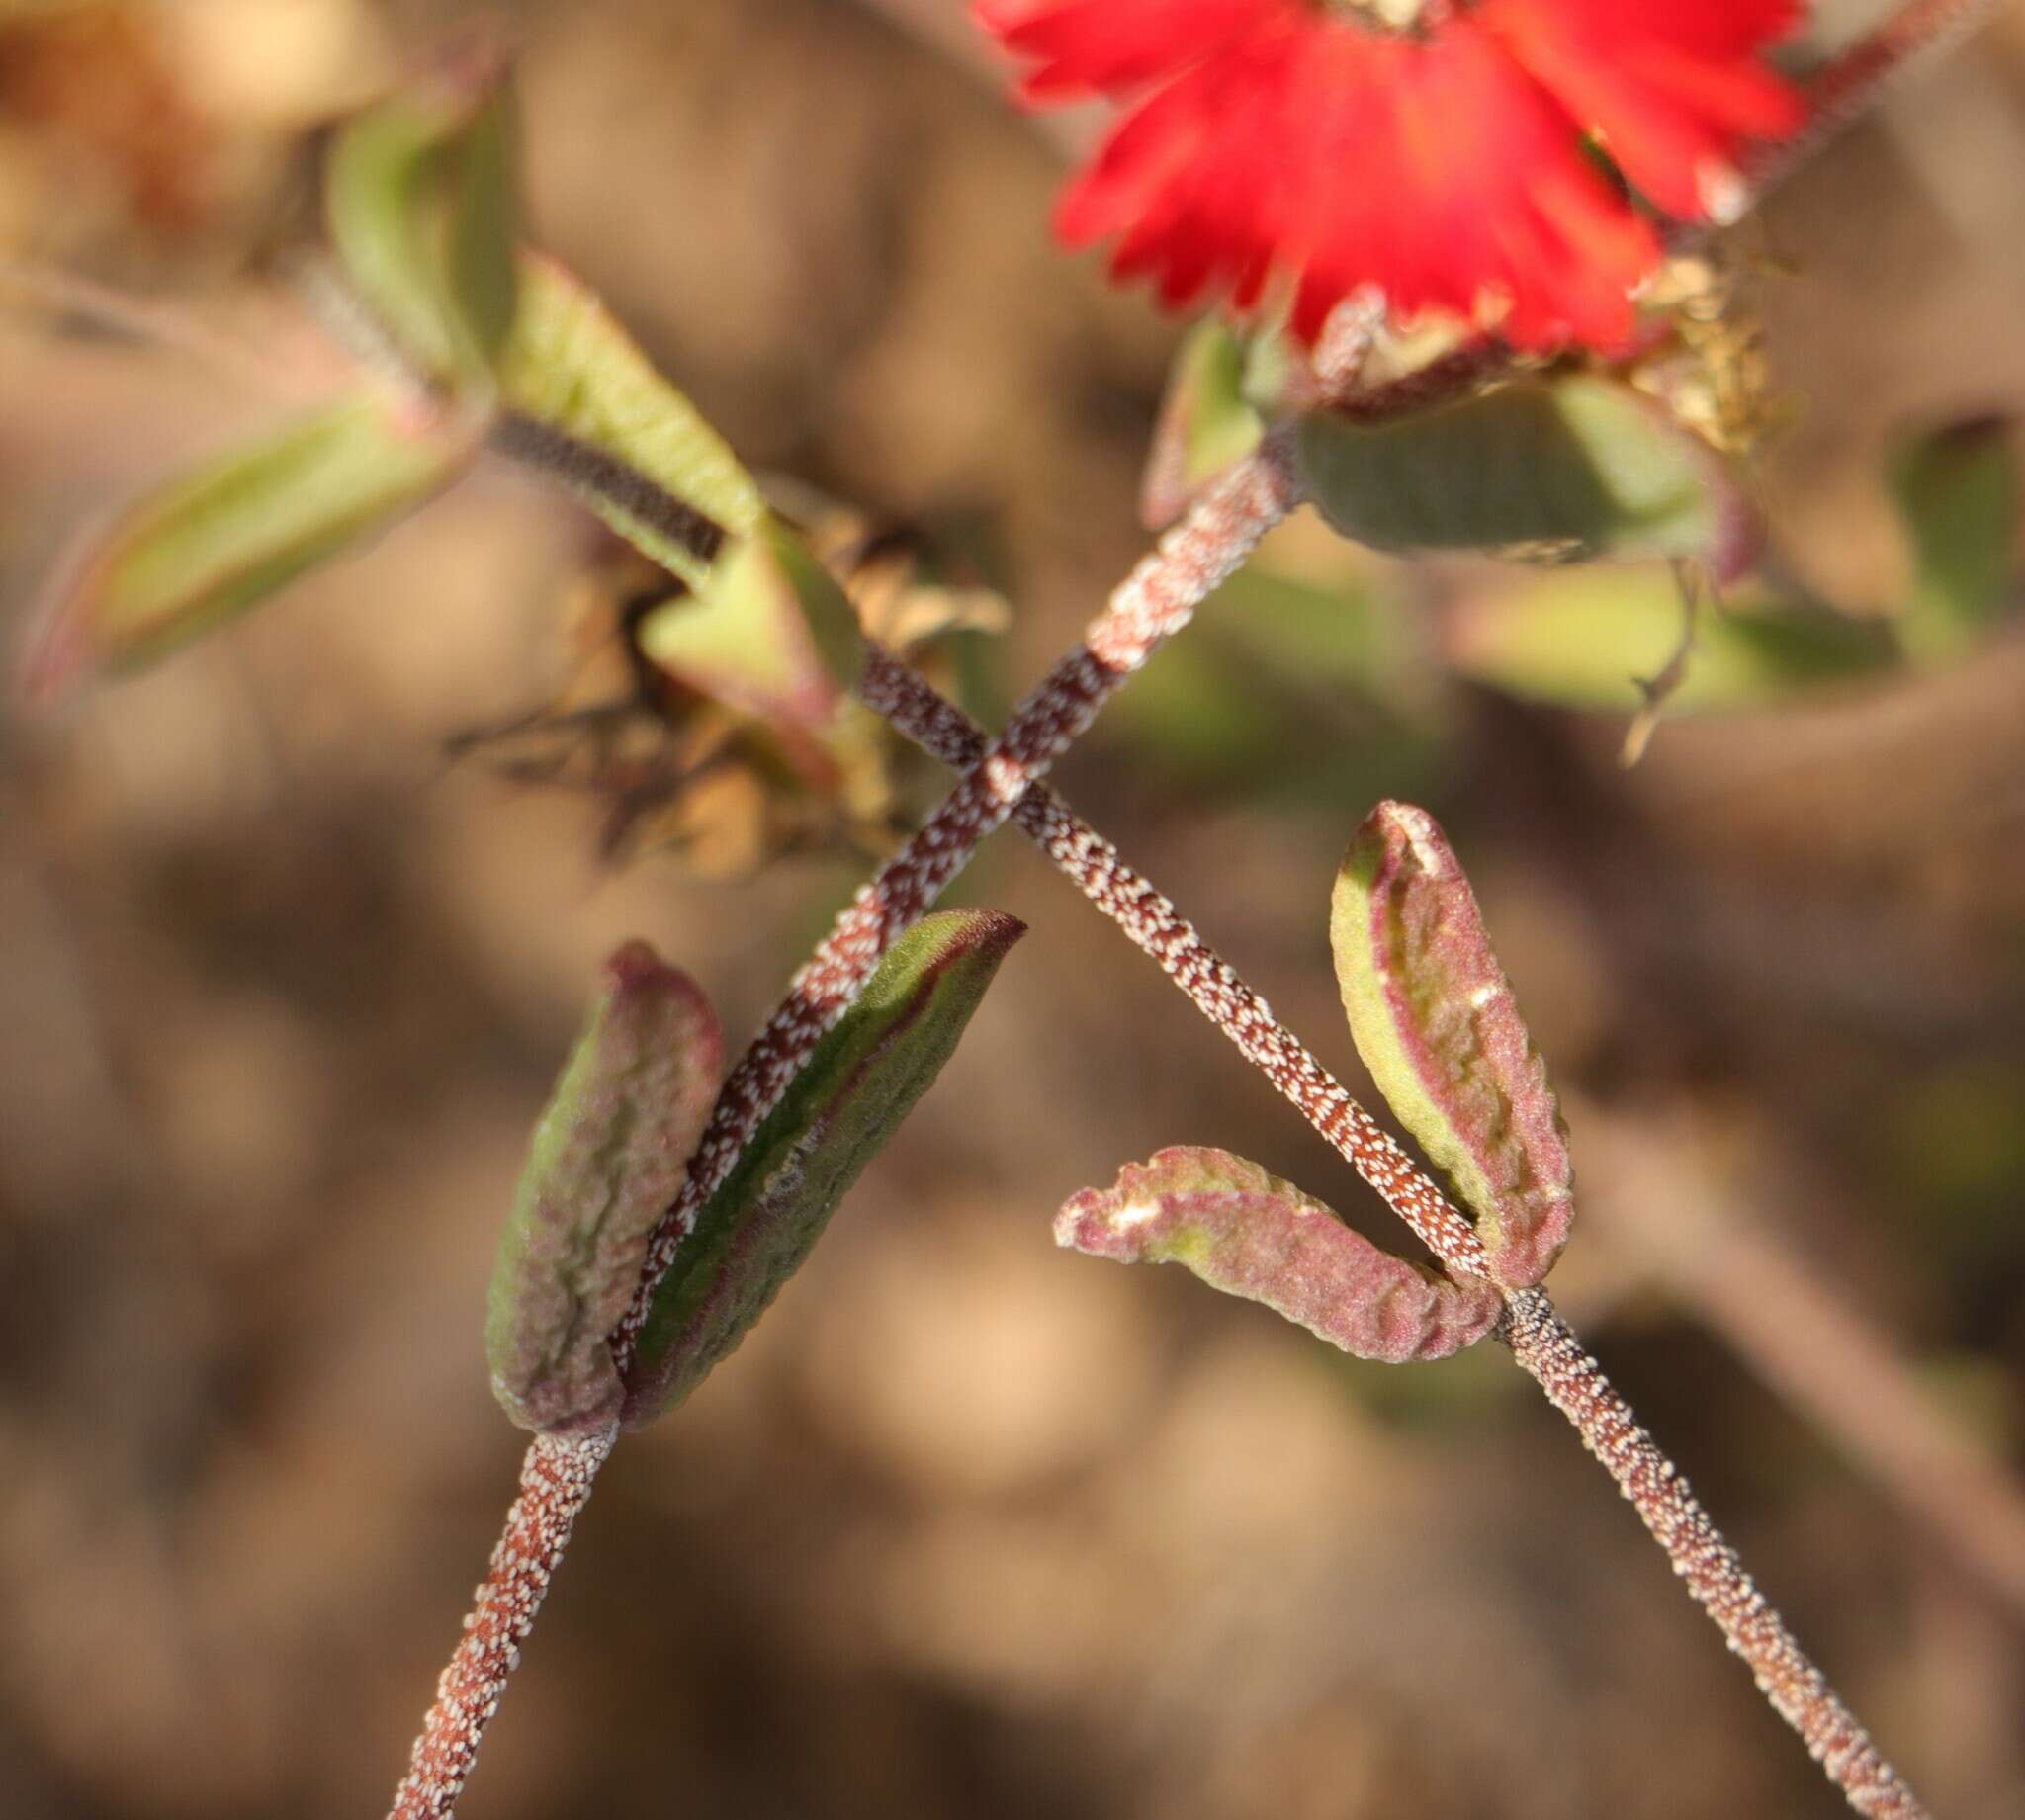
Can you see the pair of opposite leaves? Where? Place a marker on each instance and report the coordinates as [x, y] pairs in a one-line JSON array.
[[1431, 1015]]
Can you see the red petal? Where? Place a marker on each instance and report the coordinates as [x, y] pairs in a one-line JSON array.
[[1448, 167], [1670, 87]]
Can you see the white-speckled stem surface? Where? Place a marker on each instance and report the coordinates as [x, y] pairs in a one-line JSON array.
[[555, 1479], [1707, 1566], [1156, 600], [1539, 1340]]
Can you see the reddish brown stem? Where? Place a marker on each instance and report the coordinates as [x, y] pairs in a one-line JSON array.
[[1155, 926], [1156, 600], [555, 1479], [1543, 1343], [1539, 1340]]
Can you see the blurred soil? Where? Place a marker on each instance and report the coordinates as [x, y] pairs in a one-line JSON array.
[[969, 1527]]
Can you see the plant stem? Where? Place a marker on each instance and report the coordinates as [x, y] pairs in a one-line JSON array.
[[1156, 600], [1730, 1264], [1154, 925], [1539, 1340], [1543, 1343], [555, 1479]]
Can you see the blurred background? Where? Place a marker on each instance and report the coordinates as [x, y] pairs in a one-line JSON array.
[[970, 1525]]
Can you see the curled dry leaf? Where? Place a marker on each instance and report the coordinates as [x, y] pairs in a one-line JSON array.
[[606, 1159], [1434, 1018], [848, 1100], [1249, 1234]]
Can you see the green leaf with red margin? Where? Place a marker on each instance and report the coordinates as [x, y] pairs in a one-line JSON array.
[[607, 1159], [419, 198], [1205, 423], [852, 1096], [1434, 1018], [1958, 491], [570, 370], [197, 551]]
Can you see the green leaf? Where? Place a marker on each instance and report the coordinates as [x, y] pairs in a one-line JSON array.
[[1433, 1017], [1564, 469], [191, 554], [419, 196], [864, 1078], [1582, 638], [1958, 491], [607, 1158], [1251, 1235], [769, 632], [571, 370], [1205, 423]]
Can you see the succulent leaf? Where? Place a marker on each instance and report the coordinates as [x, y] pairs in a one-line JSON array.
[[852, 1096], [203, 548], [1205, 423], [419, 196], [607, 1158], [1958, 490], [570, 370], [1562, 469], [1434, 1018], [1249, 1234]]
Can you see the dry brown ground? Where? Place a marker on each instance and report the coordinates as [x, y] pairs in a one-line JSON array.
[[970, 1526]]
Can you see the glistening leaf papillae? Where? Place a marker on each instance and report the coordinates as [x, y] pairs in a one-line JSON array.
[[849, 1098], [1249, 1234], [189, 555], [1434, 1019], [606, 1157], [1566, 468]]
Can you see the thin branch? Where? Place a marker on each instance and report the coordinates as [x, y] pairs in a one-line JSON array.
[[1543, 1343], [555, 1479], [1539, 1340], [1155, 601], [1003, 779], [1156, 928], [1751, 1285]]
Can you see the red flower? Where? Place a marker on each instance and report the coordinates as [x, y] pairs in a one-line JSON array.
[[1444, 159]]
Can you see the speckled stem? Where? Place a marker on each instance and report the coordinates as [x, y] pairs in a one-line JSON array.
[[1157, 599], [1538, 1339], [1543, 1343], [555, 1479], [1213, 986]]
